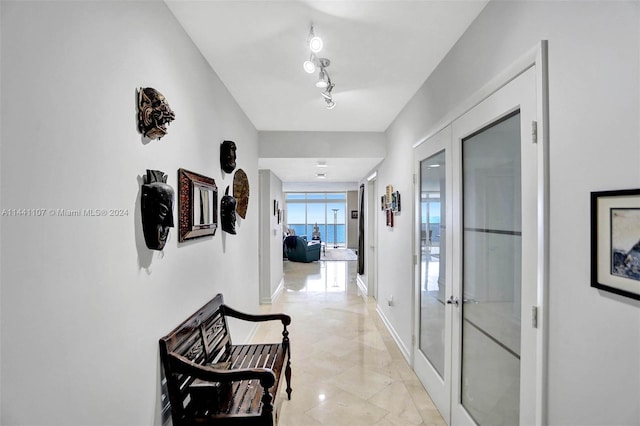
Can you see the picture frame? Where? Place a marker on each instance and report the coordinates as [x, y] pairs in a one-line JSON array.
[[396, 202], [197, 205], [354, 214], [390, 218], [615, 242]]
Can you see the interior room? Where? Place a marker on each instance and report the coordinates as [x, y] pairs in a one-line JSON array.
[[487, 265]]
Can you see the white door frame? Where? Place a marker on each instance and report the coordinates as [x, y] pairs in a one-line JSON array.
[[371, 238], [538, 57]]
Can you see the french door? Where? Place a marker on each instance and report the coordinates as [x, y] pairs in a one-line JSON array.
[[477, 249]]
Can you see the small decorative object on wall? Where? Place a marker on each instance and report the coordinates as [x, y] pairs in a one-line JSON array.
[[228, 156], [390, 203], [354, 214], [228, 213], [157, 209], [615, 242], [241, 192], [154, 113], [388, 195], [198, 205], [395, 201], [275, 207]]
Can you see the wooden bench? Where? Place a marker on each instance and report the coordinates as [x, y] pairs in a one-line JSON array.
[[212, 381]]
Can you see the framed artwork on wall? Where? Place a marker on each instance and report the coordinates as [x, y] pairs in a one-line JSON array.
[[615, 242], [354, 214], [197, 205]]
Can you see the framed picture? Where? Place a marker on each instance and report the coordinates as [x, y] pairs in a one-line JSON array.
[[396, 202], [383, 203], [354, 214], [615, 242]]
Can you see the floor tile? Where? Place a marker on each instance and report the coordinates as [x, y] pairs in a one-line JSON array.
[[346, 367]]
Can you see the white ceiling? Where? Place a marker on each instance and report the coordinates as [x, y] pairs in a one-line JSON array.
[[381, 52]]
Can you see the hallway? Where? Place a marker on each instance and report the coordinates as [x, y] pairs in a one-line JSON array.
[[347, 370]]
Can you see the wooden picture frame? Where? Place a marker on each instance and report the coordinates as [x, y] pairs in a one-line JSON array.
[[615, 242], [197, 205]]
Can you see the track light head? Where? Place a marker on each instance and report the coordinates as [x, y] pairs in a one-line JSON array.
[[327, 92], [330, 103], [322, 79], [315, 42], [309, 67]]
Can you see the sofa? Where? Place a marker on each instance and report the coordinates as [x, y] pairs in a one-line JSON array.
[[298, 249]]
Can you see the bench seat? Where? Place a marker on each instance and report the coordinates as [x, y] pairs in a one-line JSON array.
[[211, 381]]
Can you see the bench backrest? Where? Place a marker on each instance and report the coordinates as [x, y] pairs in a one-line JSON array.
[[203, 338]]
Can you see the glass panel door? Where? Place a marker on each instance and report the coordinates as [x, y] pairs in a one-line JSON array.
[[433, 260], [491, 278], [433, 248]]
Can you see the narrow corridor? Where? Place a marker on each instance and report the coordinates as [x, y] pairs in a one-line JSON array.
[[347, 370]]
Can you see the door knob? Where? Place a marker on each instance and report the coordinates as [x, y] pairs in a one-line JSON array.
[[452, 301]]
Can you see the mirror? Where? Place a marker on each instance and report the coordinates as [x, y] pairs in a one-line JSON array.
[[197, 203]]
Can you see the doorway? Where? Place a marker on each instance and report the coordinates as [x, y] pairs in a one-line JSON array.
[[476, 278]]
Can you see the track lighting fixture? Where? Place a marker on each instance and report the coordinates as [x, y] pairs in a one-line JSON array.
[[313, 63]]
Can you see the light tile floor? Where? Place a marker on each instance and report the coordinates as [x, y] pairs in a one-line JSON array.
[[346, 368]]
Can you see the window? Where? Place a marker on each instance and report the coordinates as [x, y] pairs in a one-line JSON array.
[[326, 209]]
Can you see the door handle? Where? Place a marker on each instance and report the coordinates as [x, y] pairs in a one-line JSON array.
[[452, 301]]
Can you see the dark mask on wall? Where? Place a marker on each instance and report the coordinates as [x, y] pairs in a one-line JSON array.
[[228, 156], [157, 209], [153, 113], [228, 213]]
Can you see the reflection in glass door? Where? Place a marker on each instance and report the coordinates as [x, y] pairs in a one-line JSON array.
[[491, 278], [432, 260]]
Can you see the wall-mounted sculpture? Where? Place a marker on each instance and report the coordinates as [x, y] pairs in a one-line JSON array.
[[157, 209], [198, 205], [228, 213], [154, 113], [241, 192], [228, 156]]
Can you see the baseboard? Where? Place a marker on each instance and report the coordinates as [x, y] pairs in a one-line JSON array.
[[271, 299], [362, 286], [403, 349], [278, 291]]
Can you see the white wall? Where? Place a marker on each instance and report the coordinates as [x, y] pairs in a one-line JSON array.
[[594, 72], [271, 268], [84, 302]]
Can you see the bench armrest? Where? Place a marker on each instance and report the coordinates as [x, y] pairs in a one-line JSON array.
[[184, 365], [286, 319]]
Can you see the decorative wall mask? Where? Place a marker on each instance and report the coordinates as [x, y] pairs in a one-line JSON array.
[[228, 213], [241, 192], [154, 113], [157, 209], [228, 156]]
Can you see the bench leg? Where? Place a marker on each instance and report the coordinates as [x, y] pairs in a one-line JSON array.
[[287, 375]]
